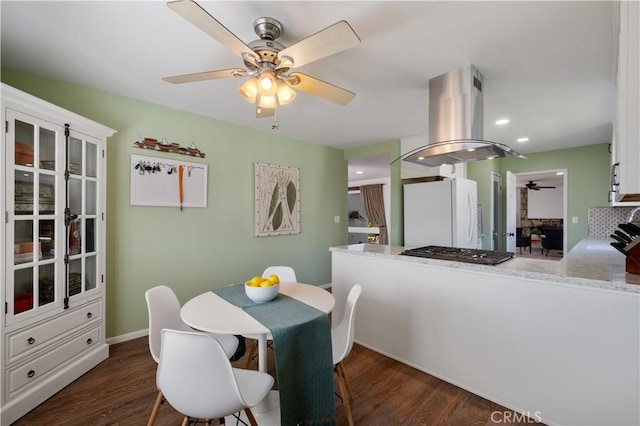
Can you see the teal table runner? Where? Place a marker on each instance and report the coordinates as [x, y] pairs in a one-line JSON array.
[[303, 357]]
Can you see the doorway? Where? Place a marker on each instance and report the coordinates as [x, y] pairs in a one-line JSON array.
[[374, 169], [540, 203]]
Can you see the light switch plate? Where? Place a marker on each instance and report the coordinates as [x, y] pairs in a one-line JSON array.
[[574, 219], [336, 219]]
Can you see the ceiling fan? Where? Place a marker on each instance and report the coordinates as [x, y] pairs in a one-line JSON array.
[[268, 63], [534, 186]]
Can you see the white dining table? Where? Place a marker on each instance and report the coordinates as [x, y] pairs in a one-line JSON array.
[[211, 313]]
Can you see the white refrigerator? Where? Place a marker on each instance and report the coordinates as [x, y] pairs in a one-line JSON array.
[[442, 213]]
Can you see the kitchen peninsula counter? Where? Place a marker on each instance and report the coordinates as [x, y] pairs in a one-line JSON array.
[[592, 262], [557, 340]]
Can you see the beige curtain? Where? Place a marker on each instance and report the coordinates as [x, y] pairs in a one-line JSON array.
[[374, 206]]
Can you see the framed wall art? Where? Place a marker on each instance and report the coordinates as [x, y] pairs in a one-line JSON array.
[[277, 198]]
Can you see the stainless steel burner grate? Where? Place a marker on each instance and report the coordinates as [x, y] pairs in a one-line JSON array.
[[484, 257]]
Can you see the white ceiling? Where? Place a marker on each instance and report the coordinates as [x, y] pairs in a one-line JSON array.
[[548, 66]]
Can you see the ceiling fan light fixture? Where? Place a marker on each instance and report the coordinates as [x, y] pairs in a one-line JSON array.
[[249, 90], [267, 83], [285, 93], [266, 102]]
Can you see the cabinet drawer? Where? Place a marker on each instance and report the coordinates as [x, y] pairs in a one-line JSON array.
[[35, 370], [22, 342]]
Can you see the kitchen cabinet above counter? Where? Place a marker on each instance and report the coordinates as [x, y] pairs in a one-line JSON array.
[[625, 173], [592, 263]]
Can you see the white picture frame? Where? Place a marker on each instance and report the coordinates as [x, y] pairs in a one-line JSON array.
[[159, 185], [277, 200]]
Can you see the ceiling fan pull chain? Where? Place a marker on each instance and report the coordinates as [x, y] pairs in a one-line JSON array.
[[275, 125]]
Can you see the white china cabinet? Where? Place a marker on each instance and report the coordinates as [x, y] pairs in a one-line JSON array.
[[53, 249], [625, 173]]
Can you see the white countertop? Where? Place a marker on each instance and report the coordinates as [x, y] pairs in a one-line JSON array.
[[592, 262]]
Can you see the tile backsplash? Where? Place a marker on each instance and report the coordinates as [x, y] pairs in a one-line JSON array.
[[604, 220]]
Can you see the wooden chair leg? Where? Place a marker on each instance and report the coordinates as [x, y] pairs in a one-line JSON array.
[[185, 421], [345, 398], [346, 380], [156, 408], [252, 352], [252, 420]]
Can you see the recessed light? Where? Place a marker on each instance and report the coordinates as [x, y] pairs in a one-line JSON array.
[[559, 173], [471, 149], [420, 158], [522, 139], [502, 121], [359, 172]]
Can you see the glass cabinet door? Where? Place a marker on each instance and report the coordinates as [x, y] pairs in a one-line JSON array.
[[34, 273], [54, 255], [84, 207]]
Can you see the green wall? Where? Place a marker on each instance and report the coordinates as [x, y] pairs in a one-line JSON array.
[[587, 182], [200, 248]]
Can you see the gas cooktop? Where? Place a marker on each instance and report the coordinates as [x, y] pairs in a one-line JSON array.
[[483, 257]]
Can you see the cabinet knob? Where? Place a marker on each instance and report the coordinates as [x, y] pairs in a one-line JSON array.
[[89, 341], [31, 340], [89, 314], [31, 373]]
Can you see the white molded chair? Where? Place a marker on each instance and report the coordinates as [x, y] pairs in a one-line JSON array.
[[197, 379], [287, 275], [164, 312], [341, 343]]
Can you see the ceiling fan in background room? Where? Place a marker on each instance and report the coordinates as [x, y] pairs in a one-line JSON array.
[[534, 186], [268, 63]]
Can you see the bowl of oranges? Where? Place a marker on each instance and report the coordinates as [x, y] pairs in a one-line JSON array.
[[262, 290]]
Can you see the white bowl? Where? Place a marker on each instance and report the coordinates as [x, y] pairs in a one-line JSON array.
[[261, 294]]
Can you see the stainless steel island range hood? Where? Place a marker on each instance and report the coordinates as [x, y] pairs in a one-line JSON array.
[[456, 114]]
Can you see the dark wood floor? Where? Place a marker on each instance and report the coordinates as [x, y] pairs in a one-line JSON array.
[[121, 391]]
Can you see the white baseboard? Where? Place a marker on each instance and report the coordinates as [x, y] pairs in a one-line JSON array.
[[325, 286], [128, 336]]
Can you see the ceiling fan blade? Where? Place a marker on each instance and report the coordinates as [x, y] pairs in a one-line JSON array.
[[194, 13], [200, 76], [334, 39], [327, 91]]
